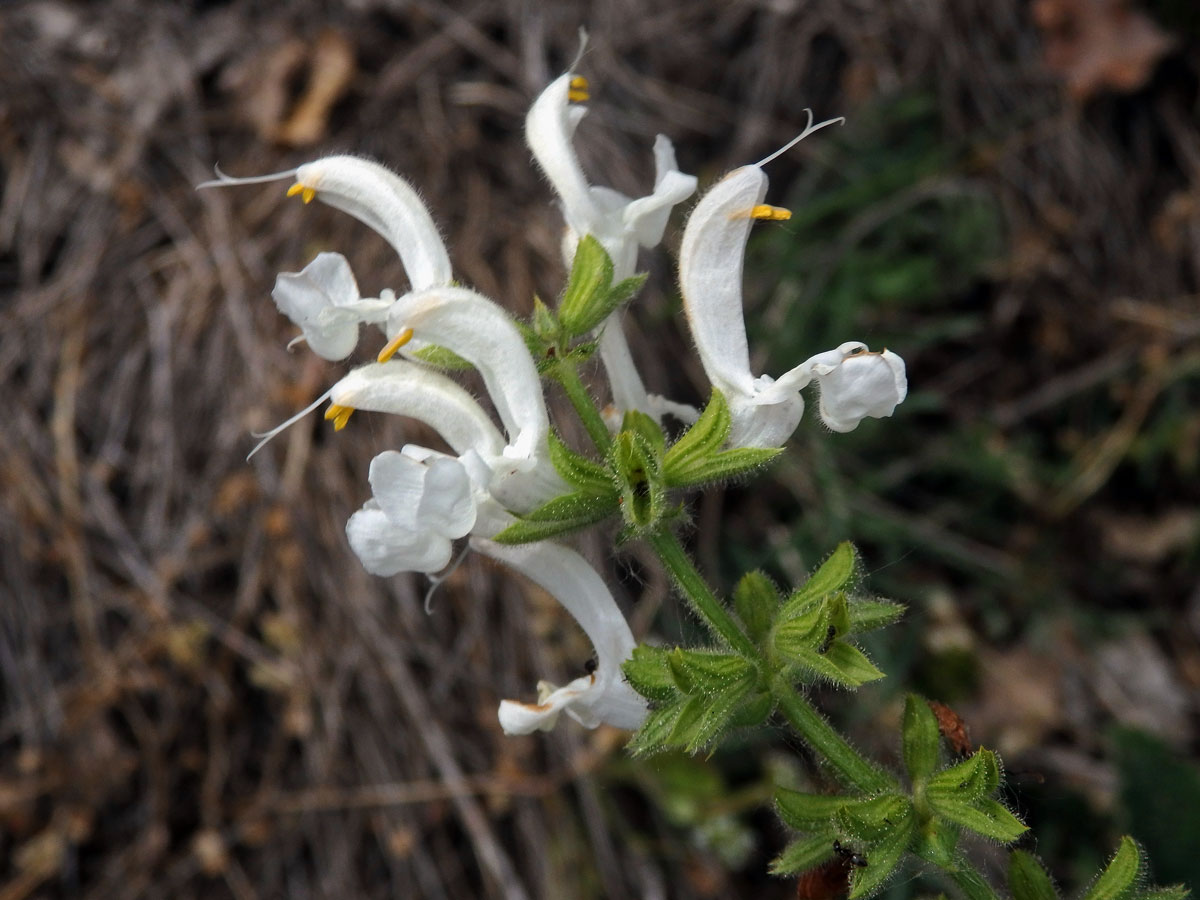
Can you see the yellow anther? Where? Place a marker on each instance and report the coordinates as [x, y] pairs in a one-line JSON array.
[[770, 213], [306, 193], [394, 344], [578, 90], [340, 415]]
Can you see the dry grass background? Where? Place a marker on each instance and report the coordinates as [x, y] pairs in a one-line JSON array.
[[203, 694]]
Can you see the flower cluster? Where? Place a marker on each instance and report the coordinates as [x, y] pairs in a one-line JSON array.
[[423, 500]]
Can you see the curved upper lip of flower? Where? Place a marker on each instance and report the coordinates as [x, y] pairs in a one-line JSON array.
[[617, 221], [765, 411], [483, 334], [387, 203], [406, 389]]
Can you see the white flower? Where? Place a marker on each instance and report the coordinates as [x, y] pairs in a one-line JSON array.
[[387, 203], [485, 335], [602, 696], [618, 222], [854, 382], [406, 389], [422, 503], [323, 300]]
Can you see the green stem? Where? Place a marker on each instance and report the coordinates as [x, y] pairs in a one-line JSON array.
[[691, 583], [568, 377], [827, 743]]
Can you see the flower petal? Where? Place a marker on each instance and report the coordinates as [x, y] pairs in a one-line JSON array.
[[483, 334], [387, 549], [387, 203], [406, 389], [864, 384], [550, 131], [525, 718], [311, 298], [710, 277], [603, 696], [648, 216], [432, 497]]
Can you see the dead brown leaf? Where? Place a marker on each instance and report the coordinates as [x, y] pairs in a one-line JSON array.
[[329, 75], [1100, 44]]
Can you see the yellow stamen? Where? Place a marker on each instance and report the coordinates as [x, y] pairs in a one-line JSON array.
[[578, 90], [306, 193], [340, 415], [394, 344], [770, 213]]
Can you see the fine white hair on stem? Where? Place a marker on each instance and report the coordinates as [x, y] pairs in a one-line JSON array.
[[268, 435], [810, 128], [223, 180]]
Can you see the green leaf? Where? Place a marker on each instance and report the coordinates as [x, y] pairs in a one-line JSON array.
[[577, 470], [721, 466], [809, 812], [638, 421], [655, 733], [604, 304], [702, 440], [756, 600], [643, 494], [806, 853], [719, 710], [1027, 880], [442, 358], [868, 615], [967, 781], [754, 711], [842, 663], [689, 718], [852, 664], [872, 820], [833, 575], [1120, 875], [587, 288], [649, 673], [706, 671], [1172, 892], [885, 855], [559, 516], [920, 738], [987, 817], [545, 325]]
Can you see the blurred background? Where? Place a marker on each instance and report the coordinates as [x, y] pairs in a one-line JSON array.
[[201, 692]]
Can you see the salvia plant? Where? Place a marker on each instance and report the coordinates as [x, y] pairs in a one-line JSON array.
[[513, 490]]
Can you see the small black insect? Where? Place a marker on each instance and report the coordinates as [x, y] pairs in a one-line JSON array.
[[849, 855], [590, 666], [828, 642]]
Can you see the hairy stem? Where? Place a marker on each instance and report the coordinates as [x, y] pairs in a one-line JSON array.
[[827, 743], [568, 376], [691, 583]]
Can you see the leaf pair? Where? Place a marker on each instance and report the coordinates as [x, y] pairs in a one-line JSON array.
[[879, 829], [699, 695], [811, 629]]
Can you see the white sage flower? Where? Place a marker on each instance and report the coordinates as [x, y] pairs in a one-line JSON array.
[[601, 696], [484, 335], [619, 223], [854, 382], [323, 298], [422, 503]]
